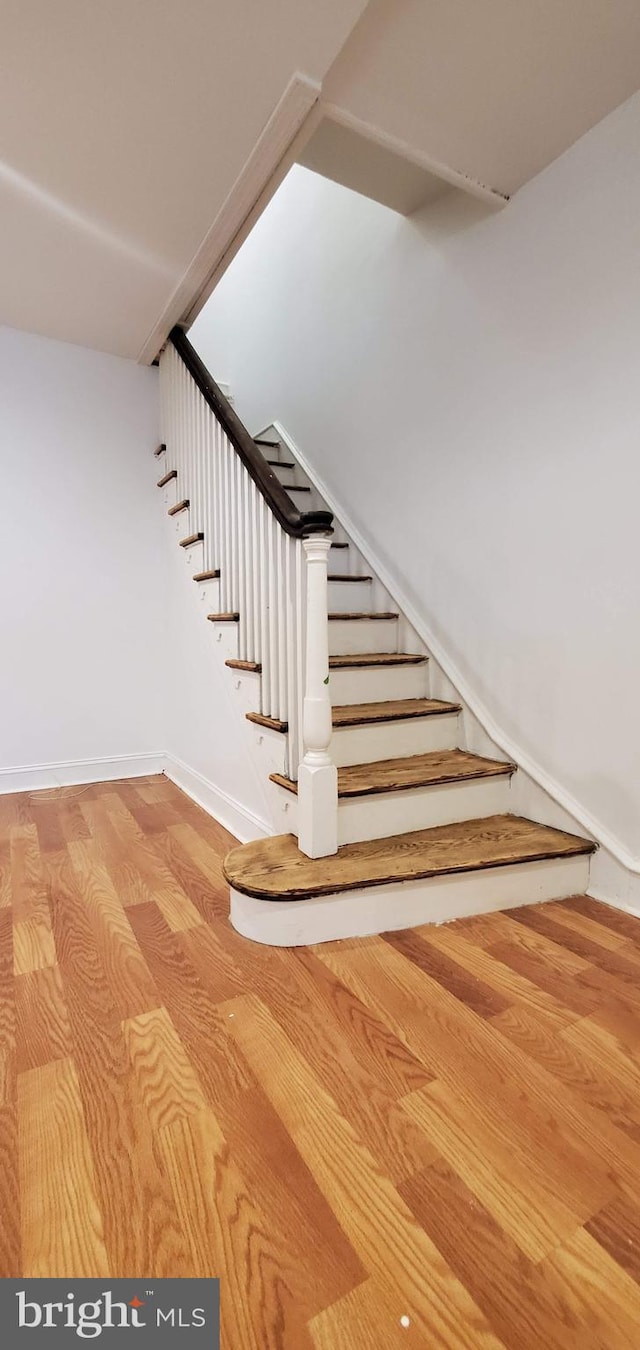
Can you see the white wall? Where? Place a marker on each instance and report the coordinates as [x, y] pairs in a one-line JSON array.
[[108, 666], [207, 737], [467, 385], [81, 561]]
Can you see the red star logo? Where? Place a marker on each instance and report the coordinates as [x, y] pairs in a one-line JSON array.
[[136, 1303]]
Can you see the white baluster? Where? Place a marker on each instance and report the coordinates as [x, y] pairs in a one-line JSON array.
[[290, 699], [271, 653], [264, 609], [317, 776]]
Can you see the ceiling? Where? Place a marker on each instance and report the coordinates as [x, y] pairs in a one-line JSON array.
[[495, 89], [124, 126], [364, 165]]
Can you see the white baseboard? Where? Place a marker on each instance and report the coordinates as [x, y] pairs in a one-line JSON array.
[[224, 808], [73, 772], [69, 772]]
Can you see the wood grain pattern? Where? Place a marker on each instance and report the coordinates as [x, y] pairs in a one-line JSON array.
[[273, 723], [274, 868], [412, 771], [355, 660], [392, 710], [62, 1231], [372, 1213], [429, 1139], [43, 1033], [235, 664]]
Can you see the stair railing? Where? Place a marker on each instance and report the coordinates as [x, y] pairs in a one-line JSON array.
[[272, 561]]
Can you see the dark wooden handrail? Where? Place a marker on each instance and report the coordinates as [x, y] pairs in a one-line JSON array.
[[295, 522]]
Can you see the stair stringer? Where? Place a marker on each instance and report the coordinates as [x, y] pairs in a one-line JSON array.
[[615, 873], [256, 812], [370, 908]]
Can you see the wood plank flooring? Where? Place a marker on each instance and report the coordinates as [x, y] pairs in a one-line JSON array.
[[425, 1140]]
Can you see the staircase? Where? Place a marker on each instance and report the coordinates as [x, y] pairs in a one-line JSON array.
[[392, 822]]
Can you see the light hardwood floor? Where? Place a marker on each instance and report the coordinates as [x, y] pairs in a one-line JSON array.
[[441, 1126]]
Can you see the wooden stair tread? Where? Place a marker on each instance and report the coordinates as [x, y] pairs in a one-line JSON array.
[[392, 710], [243, 665], [167, 478], [297, 487], [370, 614], [231, 616], [261, 720], [337, 543], [160, 451], [414, 771], [179, 506], [274, 868], [344, 576], [212, 575], [357, 659], [367, 714], [281, 464], [192, 539], [271, 445]]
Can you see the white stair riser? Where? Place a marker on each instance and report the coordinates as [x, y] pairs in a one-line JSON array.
[[375, 684], [347, 596], [194, 554], [384, 813], [387, 908], [389, 740], [377, 815], [287, 477], [347, 636]]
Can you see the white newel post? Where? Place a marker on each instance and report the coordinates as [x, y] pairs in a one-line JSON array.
[[317, 776]]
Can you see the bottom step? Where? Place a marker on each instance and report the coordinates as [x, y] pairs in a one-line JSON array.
[[429, 876]]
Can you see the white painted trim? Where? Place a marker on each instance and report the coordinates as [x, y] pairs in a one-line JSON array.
[[195, 284], [406, 151], [72, 772], [304, 132], [373, 741], [405, 904], [377, 815], [377, 684], [628, 906], [224, 808], [467, 694]]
